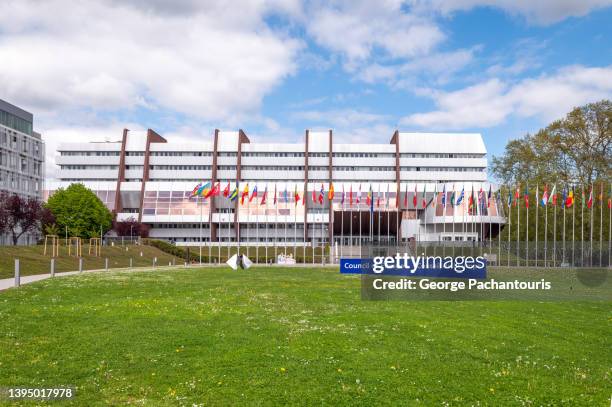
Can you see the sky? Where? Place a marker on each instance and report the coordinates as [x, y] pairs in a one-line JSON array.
[[274, 68]]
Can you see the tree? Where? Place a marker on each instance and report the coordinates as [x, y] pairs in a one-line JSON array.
[[573, 150], [131, 227], [79, 210], [19, 215]]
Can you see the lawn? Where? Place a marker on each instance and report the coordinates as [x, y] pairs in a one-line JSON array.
[[33, 261], [275, 336]]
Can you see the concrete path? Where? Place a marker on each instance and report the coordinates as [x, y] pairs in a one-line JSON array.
[[10, 282]]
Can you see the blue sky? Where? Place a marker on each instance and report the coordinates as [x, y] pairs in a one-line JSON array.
[[277, 67]]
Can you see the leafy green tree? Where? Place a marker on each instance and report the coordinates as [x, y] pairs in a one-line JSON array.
[[80, 210], [575, 150]]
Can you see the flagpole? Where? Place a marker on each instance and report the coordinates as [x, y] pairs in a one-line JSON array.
[[546, 231], [220, 230], [387, 213], [582, 196], [342, 221], [267, 223], [359, 209], [257, 228], [537, 204], [209, 228], [527, 225], [201, 221], [296, 197], [555, 229], [453, 221], [509, 223], [573, 228], [609, 224], [600, 221], [444, 221], [275, 202], [489, 196], [591, 231], [499, 204], [518, 228], [563, 234], [351, 218]]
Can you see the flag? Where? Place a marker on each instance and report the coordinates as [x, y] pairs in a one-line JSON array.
[[526, 196], [274, 200], [321, 192], [435, 196], [234, 195], [369, 200], [397, 198], [342, 199], [444, 196], [296, 195], [286, 195], [509, 199], [264, 196], [387, 198], [590, 201], [601, 193], [582, 198], [245, 193], [359, 195], [471, 199], [517, 194], [216, 189], [204, 189], [195, 190], [544, 200], [564, 200], [610, 201], [553, 194], [330, 193], [253, 194], [314, 196], [226, 191], [423, 200], [452, 198], [414, 198], [460, 198], [406, 197], [351, 196], [490, 195], [378, 198]]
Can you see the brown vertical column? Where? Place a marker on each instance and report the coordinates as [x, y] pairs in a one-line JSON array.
[[330, 224], [212, 227], [306, 200], [152, 137], [242, 138], [395, 140], [120, 174]]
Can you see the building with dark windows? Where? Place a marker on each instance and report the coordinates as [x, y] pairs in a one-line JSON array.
[[410, 181], [22, 157]]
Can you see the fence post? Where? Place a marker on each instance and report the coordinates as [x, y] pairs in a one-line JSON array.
[[106, 264], [52, 267], [130, 262], [80, 264], [17, 275]]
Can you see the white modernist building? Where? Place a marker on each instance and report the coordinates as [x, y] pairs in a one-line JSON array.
[[412, 180]]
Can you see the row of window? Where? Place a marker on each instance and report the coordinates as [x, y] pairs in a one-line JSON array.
[[20, 143], [181, 153], [14, 122], [91, 153]]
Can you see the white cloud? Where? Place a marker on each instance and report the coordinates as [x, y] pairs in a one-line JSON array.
[[536, 11], [356, 29], [204, 60], [338, 118], [491, 102]]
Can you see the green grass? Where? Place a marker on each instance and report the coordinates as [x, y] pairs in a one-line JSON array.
[[33, 261], [274, 336]]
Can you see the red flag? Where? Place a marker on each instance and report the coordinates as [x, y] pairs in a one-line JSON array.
[[274, 201], [397, 195], [264, 196], [590, 201], [226, 191], [321, 195], [378, 199], [414, 198], [214, 191], [296, 196], [314, 196], [406, 197], [351, 196]]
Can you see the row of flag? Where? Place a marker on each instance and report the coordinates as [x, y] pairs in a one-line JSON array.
[[568, 197], [208, 190]]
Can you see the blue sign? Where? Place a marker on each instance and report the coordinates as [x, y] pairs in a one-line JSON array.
[[447, 267]]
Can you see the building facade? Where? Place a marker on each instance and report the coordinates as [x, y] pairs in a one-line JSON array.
[[22, 158], [411, 181]]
